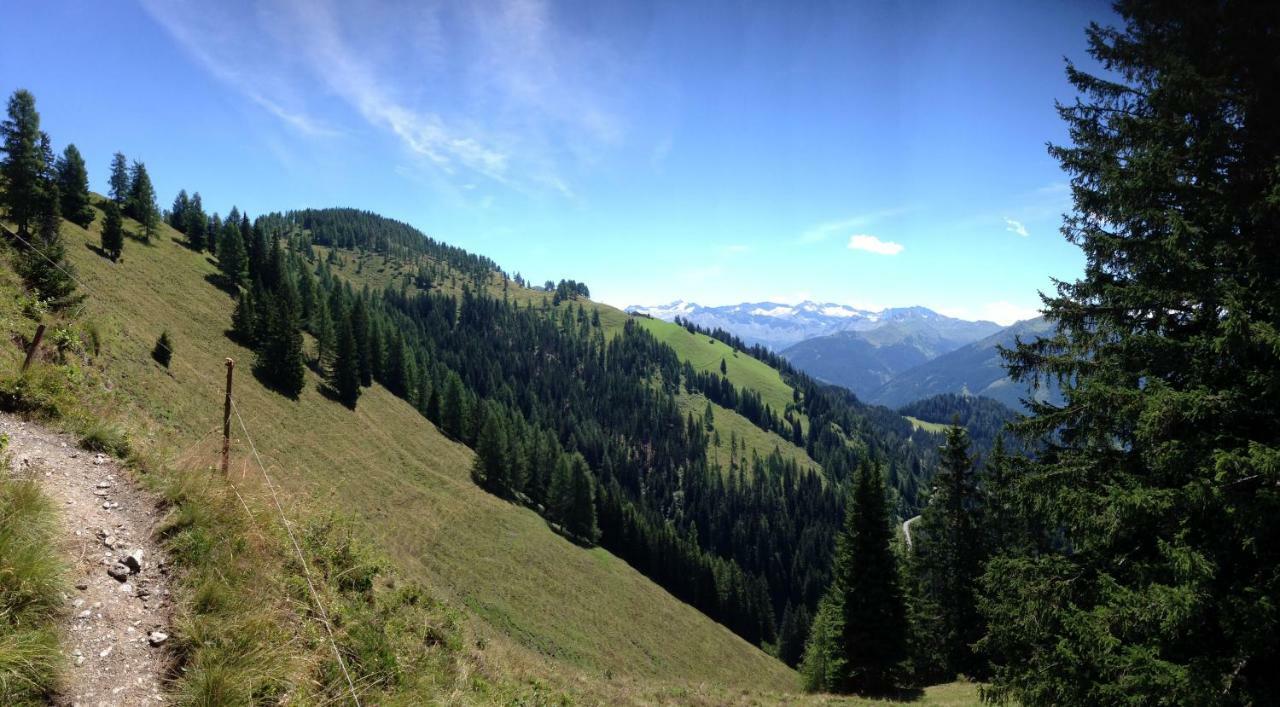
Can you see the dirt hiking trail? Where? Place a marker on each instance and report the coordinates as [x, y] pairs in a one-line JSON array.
[[118, 607]]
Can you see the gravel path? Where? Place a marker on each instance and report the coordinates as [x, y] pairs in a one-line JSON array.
[[119, 611]]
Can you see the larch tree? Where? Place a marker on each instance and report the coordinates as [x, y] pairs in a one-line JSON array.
[[1158, 478]]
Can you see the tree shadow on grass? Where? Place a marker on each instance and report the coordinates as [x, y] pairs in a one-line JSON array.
[[221, 282], [331, 393], [102, 253]]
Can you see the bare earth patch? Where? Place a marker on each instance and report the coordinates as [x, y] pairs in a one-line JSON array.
[[118, 611]]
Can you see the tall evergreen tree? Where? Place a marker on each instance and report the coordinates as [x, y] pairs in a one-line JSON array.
[[119, 181], [141, 205], [24, 168], [232, 260], [453, 407], [279, 360], [360, 327], [949, 550], [178, 213], [344, 376], [490, 470], [859, 640], [1158, 476], [112, 231], [73, 188], [195, 223]]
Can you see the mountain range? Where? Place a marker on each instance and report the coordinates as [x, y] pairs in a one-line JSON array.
[[890, 357], [975, 369], [777, 326]]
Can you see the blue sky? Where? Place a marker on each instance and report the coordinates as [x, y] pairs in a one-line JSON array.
[[875, 154]]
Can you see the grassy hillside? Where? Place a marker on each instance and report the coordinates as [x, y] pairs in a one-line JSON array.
[[705, 354], [387, 465], [733, 426]]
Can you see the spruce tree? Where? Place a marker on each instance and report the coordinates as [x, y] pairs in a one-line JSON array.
[[178, 213], [581, 520], [141, 204], [1157, 477], [490, 470], [344, 376], [232, 260], [24, 168], [73, 188], [361, 329], [42, 264], [195, 223], [119, 180], [949, 550], [112, 231], [453, 408], [859, 639], [280, 361]]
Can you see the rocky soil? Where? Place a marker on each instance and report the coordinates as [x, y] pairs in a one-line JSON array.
[[119, 609]]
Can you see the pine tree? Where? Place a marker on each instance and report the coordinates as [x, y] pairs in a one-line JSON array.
[[490, 470], [73, 188], [195, 223], [560, 490], [178, 213], [141, 205], [112, 231], [280, 361], [326, 334], [119, 181], [360, 327], [232, 260], [244, 319], [581, 520], [453, 408], [949, 552], [1157, 478], [859, 638], [344, 376], [24, 167]]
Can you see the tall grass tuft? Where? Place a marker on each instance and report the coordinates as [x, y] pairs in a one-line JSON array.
[[31, 577]]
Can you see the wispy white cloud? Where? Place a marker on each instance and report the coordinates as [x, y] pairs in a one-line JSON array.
[[737, 248], [495, 88], [1015, 226], [825, 230], [871, 244]]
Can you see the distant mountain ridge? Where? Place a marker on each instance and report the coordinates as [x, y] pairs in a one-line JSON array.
[[778, 326], [974, 369]]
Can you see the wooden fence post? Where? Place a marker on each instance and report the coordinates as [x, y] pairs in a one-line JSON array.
[[226, 420], [31, 351]]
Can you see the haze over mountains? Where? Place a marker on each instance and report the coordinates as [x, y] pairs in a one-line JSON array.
[[891, 357], [778, 326]]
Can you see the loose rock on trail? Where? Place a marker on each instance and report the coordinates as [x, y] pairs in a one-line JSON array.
[[118, 605]]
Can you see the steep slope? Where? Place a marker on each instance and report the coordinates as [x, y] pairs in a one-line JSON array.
[[974, 369], [384, 463]]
